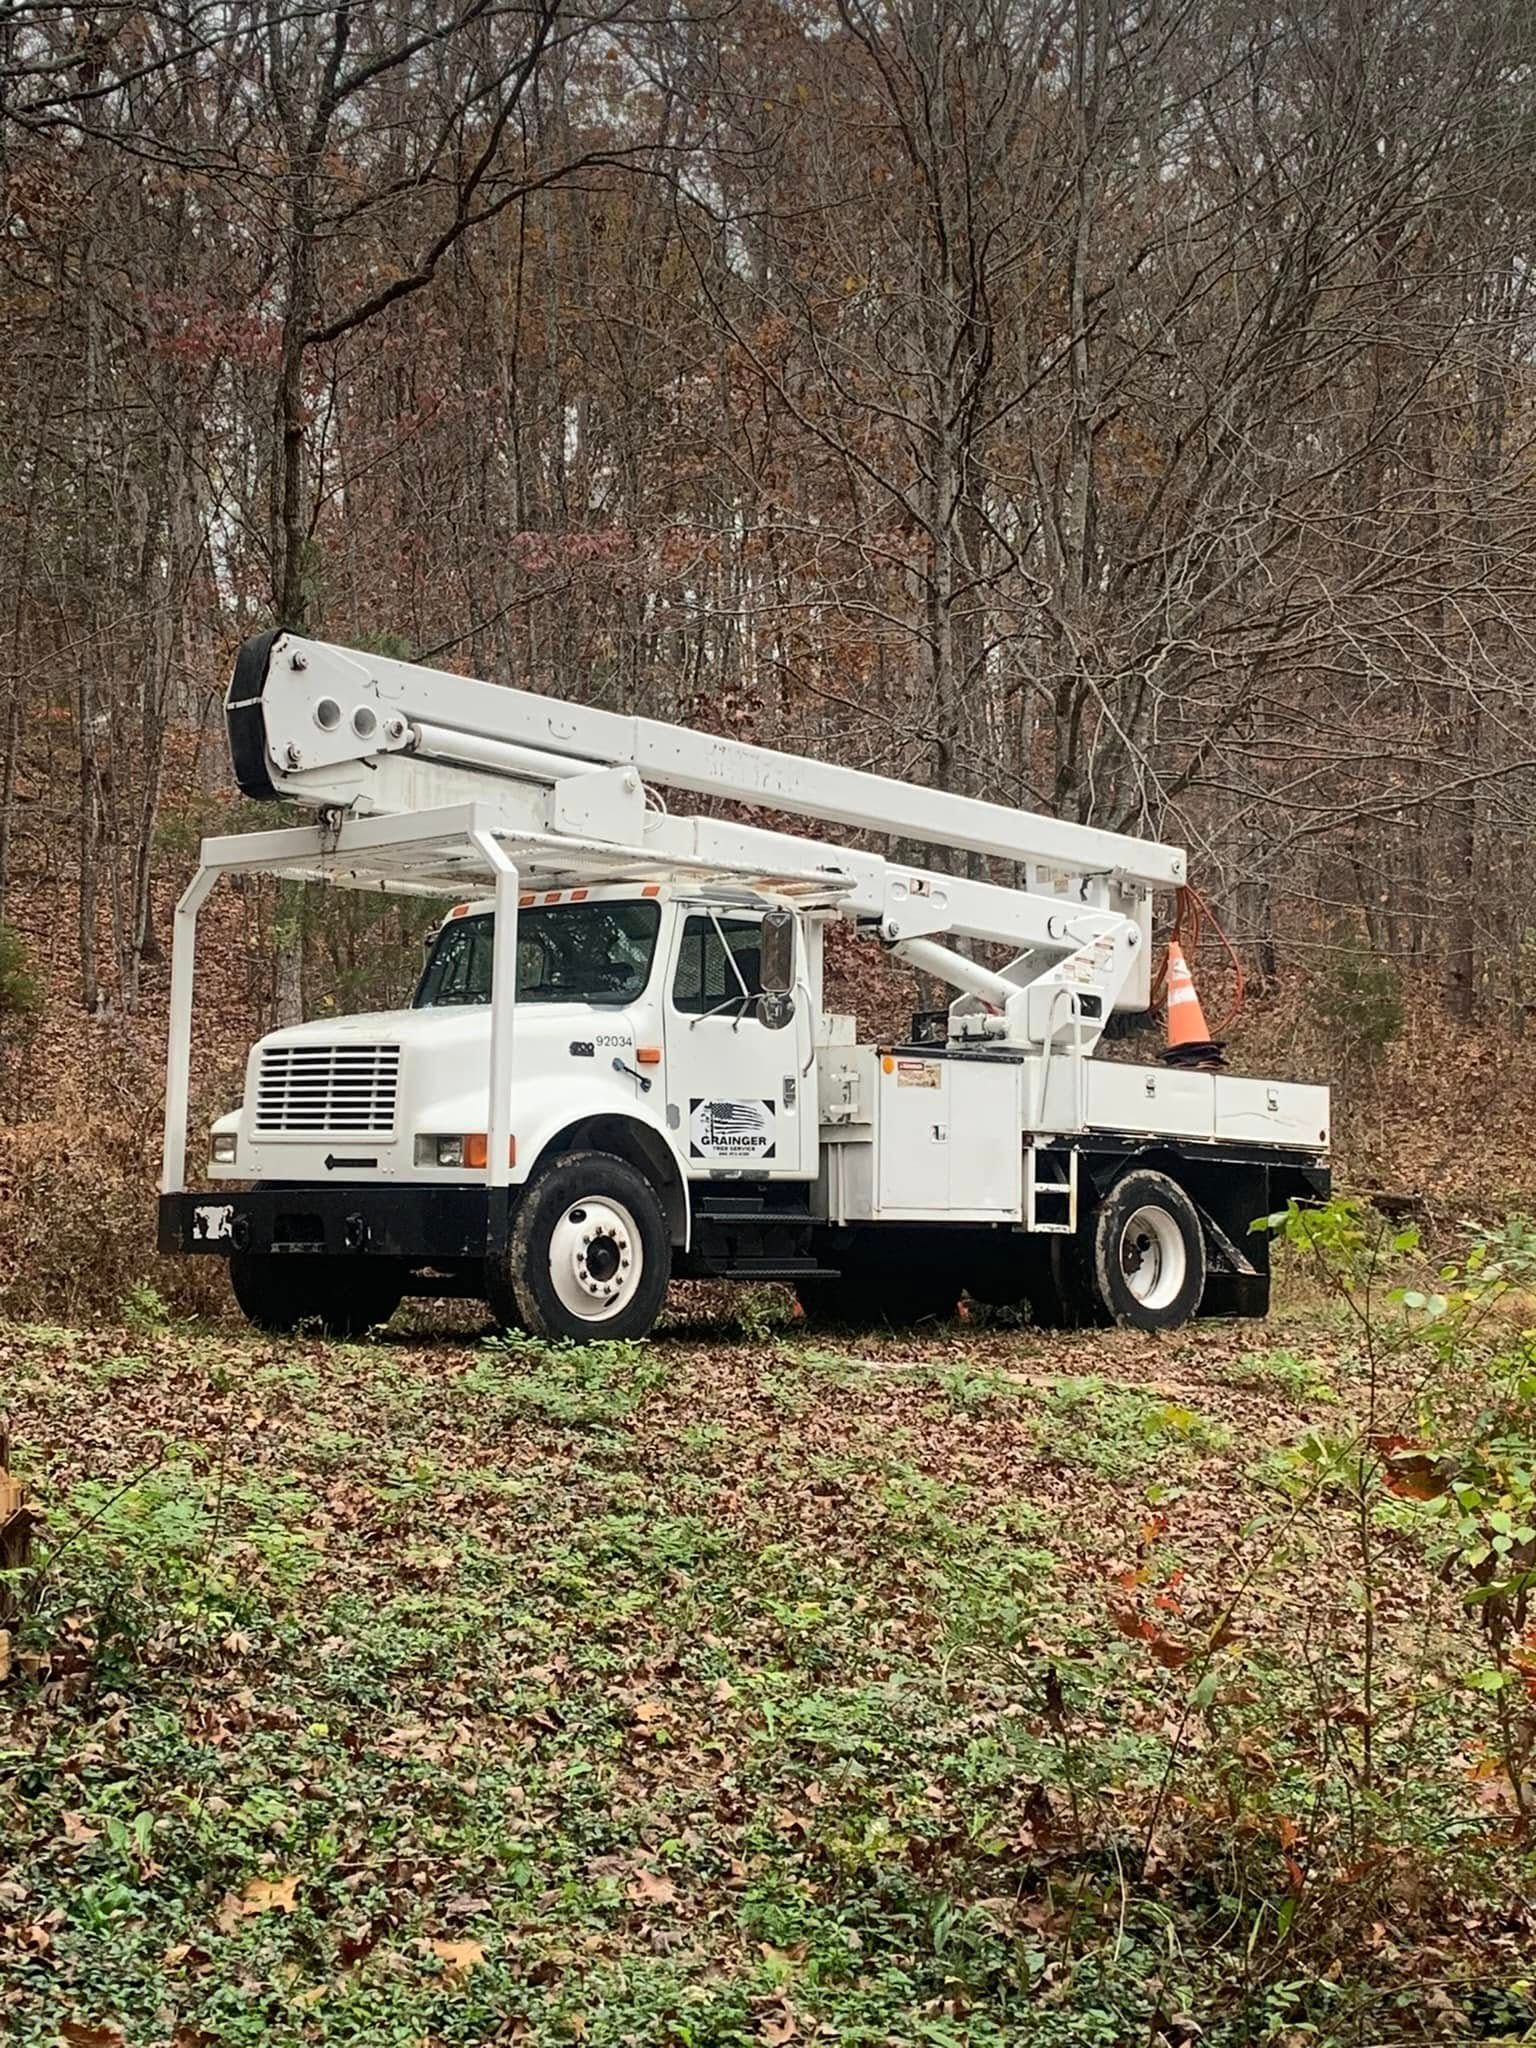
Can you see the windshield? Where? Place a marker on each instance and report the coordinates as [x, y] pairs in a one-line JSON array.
[[566, 953]]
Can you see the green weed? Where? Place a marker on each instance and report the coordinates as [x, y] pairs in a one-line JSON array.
[[573, 1386], [1121, 1431], [1301, 1379], [145, 1308]]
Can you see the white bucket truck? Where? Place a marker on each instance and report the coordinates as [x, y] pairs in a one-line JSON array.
[[618, 1068]]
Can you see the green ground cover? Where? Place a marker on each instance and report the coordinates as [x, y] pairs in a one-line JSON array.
[[970, 1687]]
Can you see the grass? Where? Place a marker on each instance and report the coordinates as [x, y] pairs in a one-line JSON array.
[[722, 1691], [1300, 1377]]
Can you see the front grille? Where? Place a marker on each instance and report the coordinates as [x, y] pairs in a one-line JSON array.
[[317, 1091]]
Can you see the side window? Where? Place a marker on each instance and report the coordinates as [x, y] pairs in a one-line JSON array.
[[459, 970], [715, 957]]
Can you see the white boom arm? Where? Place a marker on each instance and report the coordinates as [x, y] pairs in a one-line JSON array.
[[363, 735]]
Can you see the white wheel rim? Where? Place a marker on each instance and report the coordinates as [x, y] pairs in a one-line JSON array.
[[596, 1259], [1153, 1261]]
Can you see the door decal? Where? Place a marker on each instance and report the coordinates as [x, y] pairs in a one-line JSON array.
[[731, 1130]]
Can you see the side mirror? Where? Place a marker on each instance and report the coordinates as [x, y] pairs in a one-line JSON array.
[[776, 966]]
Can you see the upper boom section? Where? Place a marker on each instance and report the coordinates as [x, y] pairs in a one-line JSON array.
[[330, 727]]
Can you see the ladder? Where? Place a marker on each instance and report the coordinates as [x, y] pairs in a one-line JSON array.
[[1050, 1195]]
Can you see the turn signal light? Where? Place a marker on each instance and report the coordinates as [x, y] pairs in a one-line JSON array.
[[648, 1055], [477, 1150]]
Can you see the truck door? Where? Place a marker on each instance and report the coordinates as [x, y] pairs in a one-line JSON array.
[[734, 1080]]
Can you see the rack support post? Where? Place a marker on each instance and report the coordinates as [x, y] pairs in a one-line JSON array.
[[503, 1011], [178, 1060]]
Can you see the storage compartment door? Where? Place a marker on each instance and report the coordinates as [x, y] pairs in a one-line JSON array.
[[986, 1146], [1272, 1112], [912, 1136], [1169, 1101]]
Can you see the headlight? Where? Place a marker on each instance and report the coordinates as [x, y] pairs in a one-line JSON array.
[[439, 1151], [224, 1147]]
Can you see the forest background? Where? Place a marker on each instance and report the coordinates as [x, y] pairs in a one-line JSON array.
[[1116, 407]]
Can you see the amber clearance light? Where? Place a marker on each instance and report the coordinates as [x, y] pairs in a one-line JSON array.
[[477, 1150]]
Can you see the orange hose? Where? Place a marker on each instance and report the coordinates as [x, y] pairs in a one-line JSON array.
[[1191, 911]]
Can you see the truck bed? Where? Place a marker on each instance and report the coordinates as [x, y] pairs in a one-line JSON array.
[[939, 1133]]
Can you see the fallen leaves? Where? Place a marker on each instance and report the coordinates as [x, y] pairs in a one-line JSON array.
[[1044, 1828], [1409, 1471], [261, 1895], [37, 1935], [1163, 1649], [458, 1958], [863, 1525]]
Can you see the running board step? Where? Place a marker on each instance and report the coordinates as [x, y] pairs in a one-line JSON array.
[[712, 1207], [776, 1269]]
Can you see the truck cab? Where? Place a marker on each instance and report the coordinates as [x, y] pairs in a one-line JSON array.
[[670, 1027]]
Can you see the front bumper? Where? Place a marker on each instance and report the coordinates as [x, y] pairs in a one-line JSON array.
[[421, 1225]]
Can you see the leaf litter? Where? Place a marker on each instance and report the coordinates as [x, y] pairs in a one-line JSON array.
[[693, 1705]]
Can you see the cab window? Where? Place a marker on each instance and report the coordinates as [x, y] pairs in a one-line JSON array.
[[719, 965], [597, 953]]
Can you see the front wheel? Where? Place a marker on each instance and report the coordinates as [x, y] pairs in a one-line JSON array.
[[590, 1254], [1148, 1252]]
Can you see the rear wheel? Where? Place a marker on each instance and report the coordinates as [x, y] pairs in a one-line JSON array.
[[590, 1254], [1061, 1296], [343, 1297], [1148, 1250]]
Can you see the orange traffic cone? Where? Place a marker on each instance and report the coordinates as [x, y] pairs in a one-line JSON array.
[[1190, 1043]]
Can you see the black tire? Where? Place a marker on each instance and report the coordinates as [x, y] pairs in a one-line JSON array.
[[1060, 1294], [343, 1297], [1148, 1252], [556, 1266]]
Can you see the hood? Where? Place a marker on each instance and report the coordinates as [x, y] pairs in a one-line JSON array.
[[452, 1025]]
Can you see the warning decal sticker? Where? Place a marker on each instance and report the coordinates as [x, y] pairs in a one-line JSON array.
[[917, 1073], [731, 1130]]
